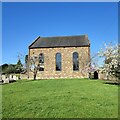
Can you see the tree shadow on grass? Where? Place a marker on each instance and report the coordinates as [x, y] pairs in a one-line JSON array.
[[27, 80], [112, 83]]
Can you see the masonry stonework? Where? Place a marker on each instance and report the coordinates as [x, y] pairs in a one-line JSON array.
[[66, 62]]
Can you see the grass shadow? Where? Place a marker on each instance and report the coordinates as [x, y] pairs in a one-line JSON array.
[[112, 83]]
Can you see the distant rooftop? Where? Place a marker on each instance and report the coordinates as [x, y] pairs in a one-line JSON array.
[[61, 41]]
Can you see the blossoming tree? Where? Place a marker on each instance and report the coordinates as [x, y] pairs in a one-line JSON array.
[[111, 66]]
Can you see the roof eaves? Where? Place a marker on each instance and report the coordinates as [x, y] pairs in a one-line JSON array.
[[60, 46], [66, 36]]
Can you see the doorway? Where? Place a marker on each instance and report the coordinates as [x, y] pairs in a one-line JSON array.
[[95, 75]]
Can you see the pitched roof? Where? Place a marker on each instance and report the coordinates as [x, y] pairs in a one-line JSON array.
[[60, 41]]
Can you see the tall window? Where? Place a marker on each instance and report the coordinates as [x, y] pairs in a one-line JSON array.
[[75, 61], [41, 61], [58, 61]]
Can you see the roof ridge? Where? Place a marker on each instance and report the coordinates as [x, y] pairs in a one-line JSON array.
[[65, 36]]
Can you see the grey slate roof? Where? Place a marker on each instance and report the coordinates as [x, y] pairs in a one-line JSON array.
[[60, 41]]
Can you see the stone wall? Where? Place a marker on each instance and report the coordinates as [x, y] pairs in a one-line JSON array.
[[67, 62], [23, 76]]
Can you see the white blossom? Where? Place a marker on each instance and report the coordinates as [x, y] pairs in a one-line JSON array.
[[111, 61]]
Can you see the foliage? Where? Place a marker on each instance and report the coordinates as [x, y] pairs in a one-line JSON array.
[[19, 66], [26, 58], [61, 98], [18, 75], [12, 68], [26, 61], [3, 67], [7, 69], [111, 60]]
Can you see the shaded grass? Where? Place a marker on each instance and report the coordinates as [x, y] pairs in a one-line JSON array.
[[65, 98]]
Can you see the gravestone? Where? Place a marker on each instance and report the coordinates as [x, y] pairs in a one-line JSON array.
[[14, 77], [11, 77], [6, 80], [3, 77]]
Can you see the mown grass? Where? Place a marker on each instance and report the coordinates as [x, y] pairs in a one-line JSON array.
[[65, 98]]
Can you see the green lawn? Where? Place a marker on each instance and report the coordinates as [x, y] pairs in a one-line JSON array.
[[65, 98]]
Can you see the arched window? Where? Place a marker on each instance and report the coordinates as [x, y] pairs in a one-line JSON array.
[[58, 61], [75, 61], [41, 58], [41, 61]]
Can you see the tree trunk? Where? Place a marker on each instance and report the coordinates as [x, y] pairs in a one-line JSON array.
[[107, 75], [35, 73], [34, 76]]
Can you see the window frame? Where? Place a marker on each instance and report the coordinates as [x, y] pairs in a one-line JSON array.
[[59, 62], [75, 61], [42, 56]]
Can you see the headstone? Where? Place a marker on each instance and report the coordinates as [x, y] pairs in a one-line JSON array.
[[11, 77], [6, 80], [3, 77], [14, 77]]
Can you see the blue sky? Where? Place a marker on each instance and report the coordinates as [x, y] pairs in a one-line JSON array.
[[23, 22]]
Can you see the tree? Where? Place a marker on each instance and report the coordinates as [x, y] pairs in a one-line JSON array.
[[111, 66], [25, 65], [34, 65], [26, 61], [19, 66], [90, 65], [10, 69], [3, 68]]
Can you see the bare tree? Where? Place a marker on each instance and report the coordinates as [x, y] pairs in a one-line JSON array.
[[90, 65], [34, 65]]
